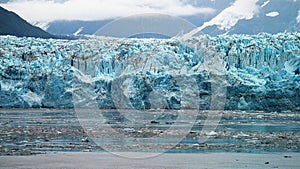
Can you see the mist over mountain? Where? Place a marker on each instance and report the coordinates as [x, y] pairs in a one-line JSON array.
[[270, 16], [229, 17]]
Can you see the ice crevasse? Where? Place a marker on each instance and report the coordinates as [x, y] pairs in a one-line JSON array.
[[260, 72]]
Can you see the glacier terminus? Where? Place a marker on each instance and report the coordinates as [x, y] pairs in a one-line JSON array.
[[259, 72]]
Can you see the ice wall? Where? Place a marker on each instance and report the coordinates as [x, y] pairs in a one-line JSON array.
[[262, 72]]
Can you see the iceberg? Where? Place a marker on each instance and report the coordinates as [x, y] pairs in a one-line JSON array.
[[258, 72]]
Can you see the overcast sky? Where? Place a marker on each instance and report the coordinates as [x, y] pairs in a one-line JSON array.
[[49, 10]]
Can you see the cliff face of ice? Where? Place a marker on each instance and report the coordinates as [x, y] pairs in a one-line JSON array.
[[255, 73]]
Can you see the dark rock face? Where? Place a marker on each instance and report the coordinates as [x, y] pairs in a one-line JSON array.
[[12, 24]]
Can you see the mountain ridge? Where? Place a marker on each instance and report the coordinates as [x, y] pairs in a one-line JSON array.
[[13, 24]]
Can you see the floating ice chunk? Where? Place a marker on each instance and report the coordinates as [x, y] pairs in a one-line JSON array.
[[212, 133], [129, 129]]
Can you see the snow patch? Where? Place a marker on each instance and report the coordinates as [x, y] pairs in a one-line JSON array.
[[78, 31], [265, 4], [229, 17], [272, 14], [42, 25]]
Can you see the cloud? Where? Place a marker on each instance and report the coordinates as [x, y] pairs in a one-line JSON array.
[[49, 10], [4, 1], [272, 14]]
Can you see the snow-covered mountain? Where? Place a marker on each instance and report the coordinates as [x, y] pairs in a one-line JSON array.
[[230, 16], [271, 16]]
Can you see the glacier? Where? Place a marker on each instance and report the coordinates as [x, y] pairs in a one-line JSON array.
[[257, 72]]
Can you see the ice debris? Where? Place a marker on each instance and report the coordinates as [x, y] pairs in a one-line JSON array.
[[262, 72]]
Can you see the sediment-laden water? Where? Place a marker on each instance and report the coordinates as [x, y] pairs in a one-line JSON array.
[[25, 132]]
